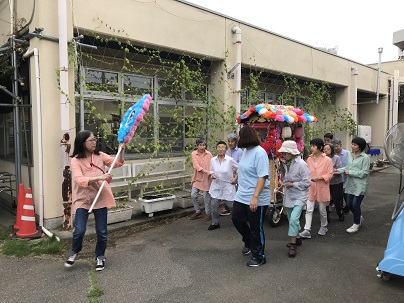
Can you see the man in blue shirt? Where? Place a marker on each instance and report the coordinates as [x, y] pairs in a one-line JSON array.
[[236, 153], [343, 155]]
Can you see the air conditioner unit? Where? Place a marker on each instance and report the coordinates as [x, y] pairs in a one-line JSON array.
[[365, 131]]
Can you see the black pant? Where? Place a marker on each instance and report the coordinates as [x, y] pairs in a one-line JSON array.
[[337, 195], [252, 233]]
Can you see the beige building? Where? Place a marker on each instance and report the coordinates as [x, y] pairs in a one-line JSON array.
[[80, 61]]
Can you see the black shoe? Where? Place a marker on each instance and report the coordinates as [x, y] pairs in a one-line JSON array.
[[299, 242], [100, 265], [214, 226], [341, 217], [246, 250], [254, 262]]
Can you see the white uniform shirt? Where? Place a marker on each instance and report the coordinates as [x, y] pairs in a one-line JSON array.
[[221, 188]]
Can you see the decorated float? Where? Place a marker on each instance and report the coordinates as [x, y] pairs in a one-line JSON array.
[[274, 124]]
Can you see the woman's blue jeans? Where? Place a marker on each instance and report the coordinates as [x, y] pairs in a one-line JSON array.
[[354, 204], [80, 226]]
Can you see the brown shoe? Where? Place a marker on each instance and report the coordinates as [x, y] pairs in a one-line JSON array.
[[195, 216], [292, 250], [207, 218]]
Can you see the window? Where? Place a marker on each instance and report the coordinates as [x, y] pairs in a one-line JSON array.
[[137, 85], [174, 120], [170, 128], [101, 81]]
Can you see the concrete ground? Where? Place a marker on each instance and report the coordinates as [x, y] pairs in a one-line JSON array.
[[170, 258]]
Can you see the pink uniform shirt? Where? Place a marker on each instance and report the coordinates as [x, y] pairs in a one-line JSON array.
[[320, 190], [83, 193], [201, 180]]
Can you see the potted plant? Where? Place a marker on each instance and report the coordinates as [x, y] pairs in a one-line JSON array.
[[156, 202], [120, 213]]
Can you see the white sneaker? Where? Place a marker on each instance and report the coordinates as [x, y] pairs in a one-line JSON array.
[[353, 229], [305, 234], [70, 261], [323, 231], [100, 264]]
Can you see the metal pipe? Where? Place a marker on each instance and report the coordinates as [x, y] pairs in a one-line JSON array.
[[354, 70], [237, 73], [63, 67], [378, 74], [17, 145], [28, 54], [40, 36]]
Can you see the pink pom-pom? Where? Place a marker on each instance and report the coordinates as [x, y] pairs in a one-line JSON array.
[[139, 118], [279, 118]]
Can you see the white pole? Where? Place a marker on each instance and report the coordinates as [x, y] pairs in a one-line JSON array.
[[378, 74], [237, 73], [28, 54], [354, 70], [103, 182], [63, 67]]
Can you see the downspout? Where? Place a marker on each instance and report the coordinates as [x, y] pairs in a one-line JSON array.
[[378, 74], [354, 70], [390, 104], [63, 68], [237, 72], [28, 54]]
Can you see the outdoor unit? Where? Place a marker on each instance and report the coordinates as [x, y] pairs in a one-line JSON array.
[[365, 131]]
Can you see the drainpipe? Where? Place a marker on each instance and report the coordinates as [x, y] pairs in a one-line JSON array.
[[390, 104], [237, 72], [28, 54], [378, 74], [63, 67], [354, 70]]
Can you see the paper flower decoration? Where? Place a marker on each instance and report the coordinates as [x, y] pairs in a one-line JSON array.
[[132, 119], [276, 113]]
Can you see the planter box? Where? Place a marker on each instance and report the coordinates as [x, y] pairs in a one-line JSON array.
[[119, 214], [185, 202], [153, 203]]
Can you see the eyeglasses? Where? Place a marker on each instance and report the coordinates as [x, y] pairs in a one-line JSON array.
[[92, 140]]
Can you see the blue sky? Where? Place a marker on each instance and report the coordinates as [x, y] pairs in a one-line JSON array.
[[358, 28]]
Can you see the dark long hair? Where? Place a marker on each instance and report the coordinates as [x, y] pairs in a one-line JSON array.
[[332, 149], [79, 142], [248, 137]]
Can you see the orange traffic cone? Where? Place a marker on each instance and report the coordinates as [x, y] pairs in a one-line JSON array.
[[20, 204], [28, 225]]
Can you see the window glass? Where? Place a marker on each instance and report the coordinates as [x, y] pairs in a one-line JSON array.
[[101, 81], [171, 128], [137, 85]]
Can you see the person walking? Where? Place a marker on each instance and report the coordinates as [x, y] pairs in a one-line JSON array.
[[343, 155], [296, 183], [88, 174], [357, 180], [223, 171], [321, 172], [253, 196], [236, 153], [201, 179], [336, 184]]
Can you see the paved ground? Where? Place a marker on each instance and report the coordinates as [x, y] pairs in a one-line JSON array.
[[179, 260]]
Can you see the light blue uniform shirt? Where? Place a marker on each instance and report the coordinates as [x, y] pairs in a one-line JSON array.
[[253, 164], [344, 160], [236, 154]]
